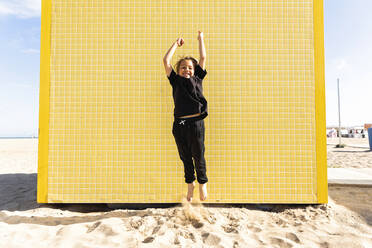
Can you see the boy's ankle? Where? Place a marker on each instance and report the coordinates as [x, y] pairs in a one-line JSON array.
[[203, 191]]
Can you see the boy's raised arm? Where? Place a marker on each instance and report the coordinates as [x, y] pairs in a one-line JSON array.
[[168, 56], [202, 51]]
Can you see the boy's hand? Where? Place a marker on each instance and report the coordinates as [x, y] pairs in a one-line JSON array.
[[200, 35], [180, 42]]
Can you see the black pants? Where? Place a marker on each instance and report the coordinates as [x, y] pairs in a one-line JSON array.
[[189, 137]]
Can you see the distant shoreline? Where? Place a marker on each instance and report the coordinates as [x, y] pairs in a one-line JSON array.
[[19, 137]]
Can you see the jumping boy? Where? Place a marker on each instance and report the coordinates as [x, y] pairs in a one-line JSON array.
[[189, 113]]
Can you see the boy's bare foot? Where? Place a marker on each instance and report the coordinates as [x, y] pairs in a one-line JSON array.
[[190, 191], [203, 191]]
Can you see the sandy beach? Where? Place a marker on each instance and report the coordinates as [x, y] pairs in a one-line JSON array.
[[24, 223], [355, 154]]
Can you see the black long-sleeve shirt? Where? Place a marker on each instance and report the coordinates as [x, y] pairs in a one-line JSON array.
[[188, 93]]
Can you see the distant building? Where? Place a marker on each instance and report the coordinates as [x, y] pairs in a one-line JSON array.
[[348, 132]]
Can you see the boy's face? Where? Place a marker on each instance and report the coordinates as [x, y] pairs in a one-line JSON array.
[[186, 69]]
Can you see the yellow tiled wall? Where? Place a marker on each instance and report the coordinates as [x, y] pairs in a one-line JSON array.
[[106, 107]]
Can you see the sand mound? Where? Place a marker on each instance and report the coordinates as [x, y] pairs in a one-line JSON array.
[[24, 223]]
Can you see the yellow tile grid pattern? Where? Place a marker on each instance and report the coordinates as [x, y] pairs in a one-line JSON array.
[[111, 108]]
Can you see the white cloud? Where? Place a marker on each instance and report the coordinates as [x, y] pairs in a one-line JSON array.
[[337, 67], [341, 64], [20, 8]]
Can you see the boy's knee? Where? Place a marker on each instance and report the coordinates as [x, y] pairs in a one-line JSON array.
[[202, 180]]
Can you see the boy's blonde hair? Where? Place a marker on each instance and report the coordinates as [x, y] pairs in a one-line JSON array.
[[193, 60]]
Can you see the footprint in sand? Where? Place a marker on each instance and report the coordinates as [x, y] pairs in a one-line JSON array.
[[230, 228], [324, 245], [281, 222], [210, 239], [93, 227], [156, 229], [148, 239], [186, 235], [192, 237], [280, 242], [107, 230], [293, 237], [136, 222], [254, 228], [197, 224]]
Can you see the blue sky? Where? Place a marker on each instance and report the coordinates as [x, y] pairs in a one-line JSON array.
[[348, 54], [19, 67]]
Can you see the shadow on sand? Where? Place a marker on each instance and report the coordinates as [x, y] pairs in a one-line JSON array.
[[18, 193]]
